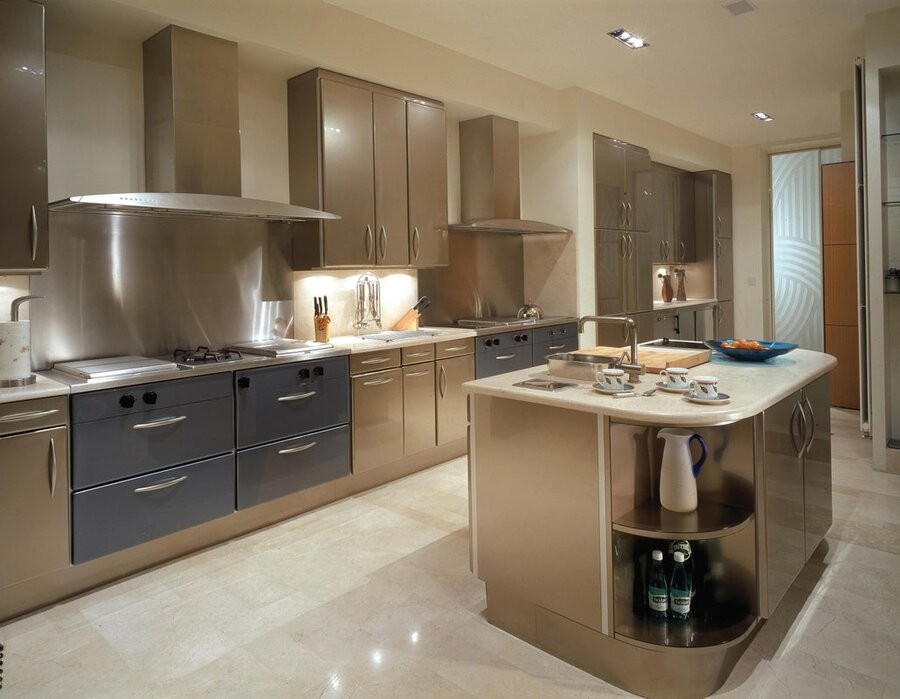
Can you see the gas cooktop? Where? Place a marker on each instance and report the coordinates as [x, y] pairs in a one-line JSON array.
[[505, 322]]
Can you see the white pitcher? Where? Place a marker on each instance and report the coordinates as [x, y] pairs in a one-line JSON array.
[[677, 479]]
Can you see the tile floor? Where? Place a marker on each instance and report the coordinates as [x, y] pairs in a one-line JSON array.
[[372, 597]]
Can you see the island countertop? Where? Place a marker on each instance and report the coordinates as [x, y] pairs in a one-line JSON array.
[[753, 387]]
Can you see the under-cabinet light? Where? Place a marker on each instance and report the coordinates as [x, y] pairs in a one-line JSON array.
[[630, 40]]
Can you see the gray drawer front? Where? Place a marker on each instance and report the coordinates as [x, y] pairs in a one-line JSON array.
[[27, 415], [556, 332], [114, 517], [265, 474], [129, 445], [502, 361], [503, 341], [566, 343], [281, 402], [150, 396]]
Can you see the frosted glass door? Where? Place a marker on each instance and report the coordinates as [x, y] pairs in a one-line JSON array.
[[797, 249]]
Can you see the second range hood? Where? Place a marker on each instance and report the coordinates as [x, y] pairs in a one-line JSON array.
[[192, 140], [489, 180]]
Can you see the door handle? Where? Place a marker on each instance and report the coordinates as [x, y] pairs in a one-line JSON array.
[[718, 249], [370, 242], [297, 450], [504, 357], [376, 360], [34, 233], [812, 424], [296, 396], [630, 246], [623, 247], [442, 382], [662, 247], [383, 237], [418, 373], [630, 220], [53, 467], [793, 422], [160, 486], [623, 215], [556, 347], [415, 242], [683, 251], [162, 422], [377, 382], [30, 415]]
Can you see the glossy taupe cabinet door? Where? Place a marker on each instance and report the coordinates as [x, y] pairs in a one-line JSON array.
[[34, 504], [452, 412], [724, 314], [377, 419], [391, 219], [639, 195], [418, 408], [684, 243], [348, 173], [427, 142], [610, 184], [611, 250], [724, 269], [24, 245], [817, 507], [722, 204]]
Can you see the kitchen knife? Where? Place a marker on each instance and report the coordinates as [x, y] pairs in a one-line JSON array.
[[422, 304], [326, 304], [316, 305]]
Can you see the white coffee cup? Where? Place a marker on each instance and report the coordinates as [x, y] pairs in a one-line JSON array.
[[705, 387], [612, 379], [675, 377]]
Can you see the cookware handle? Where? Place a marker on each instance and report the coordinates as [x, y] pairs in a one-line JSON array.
[[697, 466]]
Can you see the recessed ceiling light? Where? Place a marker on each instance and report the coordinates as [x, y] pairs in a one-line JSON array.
[[762, 116], [629, 39]]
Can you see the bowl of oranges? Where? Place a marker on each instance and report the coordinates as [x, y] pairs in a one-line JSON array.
[[750, 350]]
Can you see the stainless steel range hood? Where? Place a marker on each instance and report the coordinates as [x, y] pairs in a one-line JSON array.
[[191, 137], [489, 179]]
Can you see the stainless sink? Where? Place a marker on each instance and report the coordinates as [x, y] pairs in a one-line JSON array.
[[544, 384], [578, 366]]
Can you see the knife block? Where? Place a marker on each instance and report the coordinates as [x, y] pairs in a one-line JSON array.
[[323, 331], [408, 321]]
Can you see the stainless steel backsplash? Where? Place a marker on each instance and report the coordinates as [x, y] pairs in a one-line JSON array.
[[120, 284]]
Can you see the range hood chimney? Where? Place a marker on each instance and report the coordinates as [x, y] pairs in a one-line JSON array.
[[489, 179], [192, 139]]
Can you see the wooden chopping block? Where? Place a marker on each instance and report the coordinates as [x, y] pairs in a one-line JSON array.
[[656, 359]]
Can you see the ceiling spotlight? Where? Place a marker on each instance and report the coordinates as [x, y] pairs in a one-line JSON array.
[[629, 39], [762, 116]]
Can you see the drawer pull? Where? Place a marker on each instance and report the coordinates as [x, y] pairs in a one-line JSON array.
[[297, 450], [377, 382], [442, 384], [160, 486], [556, 347], [296, 396], [419, 354], [31, 415], [503, 357], [376, 360], [419, 373], [453, 349], [162, 422], [53, 468]]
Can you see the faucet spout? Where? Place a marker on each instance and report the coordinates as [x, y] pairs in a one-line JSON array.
[[633, 368]]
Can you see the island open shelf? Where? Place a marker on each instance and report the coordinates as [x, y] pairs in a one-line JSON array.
[[709, 521]]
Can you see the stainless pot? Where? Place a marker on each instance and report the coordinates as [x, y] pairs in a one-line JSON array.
[[530, 311]]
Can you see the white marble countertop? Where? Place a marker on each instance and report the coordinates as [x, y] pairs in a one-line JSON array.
[[662, 305], [357, 344], [753, 387], [43, 388]]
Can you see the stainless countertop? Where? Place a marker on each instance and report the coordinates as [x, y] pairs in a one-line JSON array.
[[696, 304], [543, 323]]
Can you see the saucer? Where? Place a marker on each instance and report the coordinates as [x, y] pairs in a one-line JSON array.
[[606, 392], [663, 386], [694, 398]]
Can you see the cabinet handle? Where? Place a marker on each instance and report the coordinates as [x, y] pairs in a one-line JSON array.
[[415, 242], [160, 486], [442, 382], [812, 423], [504, 357], [297, 450], [662, 254], [718, 249], [296, 396], [370, 242], [376, 360], [34, 233], [162, 422], [623, 247], [53, 467], [683, 251], [791, 426], [383, 243], [556, 347], [453, 349], [622, 214], [377, 382], [31, 415], [630, 247], [418, 373], [418, 354]]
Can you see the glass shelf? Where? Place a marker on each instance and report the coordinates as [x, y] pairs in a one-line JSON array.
[[715, 626], [709, 521]]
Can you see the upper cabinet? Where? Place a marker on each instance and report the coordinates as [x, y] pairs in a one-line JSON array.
[[623, 185], [712, 196], [672, 219], [377, 158], [24, 245]]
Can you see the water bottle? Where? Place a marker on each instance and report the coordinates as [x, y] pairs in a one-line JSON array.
[[679, 590], [657, 590], [685, 547]]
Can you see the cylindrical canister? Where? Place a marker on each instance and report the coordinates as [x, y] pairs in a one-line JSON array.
[[15, 350]]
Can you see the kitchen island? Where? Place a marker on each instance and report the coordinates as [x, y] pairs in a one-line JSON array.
[[565, 512]]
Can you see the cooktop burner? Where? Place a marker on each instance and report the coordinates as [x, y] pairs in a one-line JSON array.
[[204, 355]]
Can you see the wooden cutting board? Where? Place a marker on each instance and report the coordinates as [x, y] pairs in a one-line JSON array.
[[657, 359]]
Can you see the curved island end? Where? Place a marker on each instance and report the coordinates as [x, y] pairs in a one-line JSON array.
[[564, 513]]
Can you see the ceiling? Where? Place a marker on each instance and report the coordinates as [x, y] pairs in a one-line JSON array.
[[705, 69]]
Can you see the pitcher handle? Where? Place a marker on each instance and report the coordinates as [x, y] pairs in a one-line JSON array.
[[697, 466]]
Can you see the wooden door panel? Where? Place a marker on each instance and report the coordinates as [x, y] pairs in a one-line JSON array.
[[838, 204], [840, 285], [842, 342]]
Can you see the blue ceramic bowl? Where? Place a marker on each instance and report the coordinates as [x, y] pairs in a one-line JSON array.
[[772, 349]]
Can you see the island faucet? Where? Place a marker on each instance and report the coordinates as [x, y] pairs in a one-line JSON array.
[[632, 367]]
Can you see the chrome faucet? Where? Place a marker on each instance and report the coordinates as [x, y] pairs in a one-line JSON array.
[[632, 367]]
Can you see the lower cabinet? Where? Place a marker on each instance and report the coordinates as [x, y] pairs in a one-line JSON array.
[[118, 515], [452, 411], [377, 400], [274, 470], [34, 509], [418, 408]]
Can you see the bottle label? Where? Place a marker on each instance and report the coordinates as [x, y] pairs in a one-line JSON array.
[[659, 603], [681, 605]]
